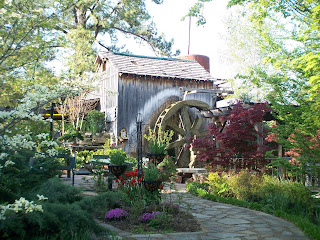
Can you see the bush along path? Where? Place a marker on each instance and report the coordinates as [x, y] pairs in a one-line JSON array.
[[221, 221]]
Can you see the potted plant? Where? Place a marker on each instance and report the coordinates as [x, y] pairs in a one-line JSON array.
[[158, 143], [72, 134], [117, 162], [152, 180]]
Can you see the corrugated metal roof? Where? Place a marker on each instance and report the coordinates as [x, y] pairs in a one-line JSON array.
[[157, 67]]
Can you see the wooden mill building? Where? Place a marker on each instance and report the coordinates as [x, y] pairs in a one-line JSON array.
[[128, 85]]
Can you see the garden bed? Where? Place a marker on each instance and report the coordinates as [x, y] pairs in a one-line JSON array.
[[168, 222]]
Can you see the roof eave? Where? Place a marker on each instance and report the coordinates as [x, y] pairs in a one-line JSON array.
[[158, 76]]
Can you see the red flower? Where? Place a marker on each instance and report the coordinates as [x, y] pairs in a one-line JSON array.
[[136, 169], [159, 178], [161, 186], [127, 191], [117, 180]]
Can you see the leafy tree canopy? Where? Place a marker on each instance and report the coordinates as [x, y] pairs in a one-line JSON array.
[[33, 33]]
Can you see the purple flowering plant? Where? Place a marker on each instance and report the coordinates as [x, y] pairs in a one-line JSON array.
[[170, 207], [147, 217], [116, 214]]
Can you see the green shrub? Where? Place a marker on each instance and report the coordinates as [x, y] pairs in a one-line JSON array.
[[117, 156], [285, 195], [245, 185], [218, 184], [66, 215], [57, 192], [57, 221], [102, 202], [162, 220], [19, 178], [94, 122], [84, 157], [167, 168]]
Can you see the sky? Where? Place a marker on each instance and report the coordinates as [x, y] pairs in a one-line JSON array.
[[208, 39], [205, 40]]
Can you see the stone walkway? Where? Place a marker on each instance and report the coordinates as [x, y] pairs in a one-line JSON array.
[[220, 221]]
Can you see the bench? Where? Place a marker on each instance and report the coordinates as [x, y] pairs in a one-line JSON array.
[[71, 166], [102, 161], [186, 173], [68, 166]]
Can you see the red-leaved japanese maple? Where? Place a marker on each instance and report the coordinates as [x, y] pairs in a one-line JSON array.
[[238, 138]]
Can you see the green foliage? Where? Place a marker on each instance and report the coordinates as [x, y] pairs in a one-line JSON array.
[[25, 46], [290, 35], [70, 134], [58, 221], [94, 122], [106, 149], [158, 141], [151, 173], [161, 220], [19, 178], [58, 192], [167, 168], [117, 156], [34, 32], [66, 214], [218, 183], [100, 203], [132, 160], [84, 157], [245, 185], [285, 195]]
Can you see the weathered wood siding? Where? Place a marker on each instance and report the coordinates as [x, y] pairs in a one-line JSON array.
[[149, 96], [107, 91]]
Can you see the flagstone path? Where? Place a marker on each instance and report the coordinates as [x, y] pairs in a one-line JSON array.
[[219, 221]]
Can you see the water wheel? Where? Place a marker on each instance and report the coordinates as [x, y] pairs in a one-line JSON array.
[[182, 118]]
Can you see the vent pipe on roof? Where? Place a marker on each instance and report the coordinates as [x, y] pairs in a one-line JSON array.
[[203, 60]]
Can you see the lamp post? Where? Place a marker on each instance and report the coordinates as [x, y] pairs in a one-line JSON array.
[[139, 124]]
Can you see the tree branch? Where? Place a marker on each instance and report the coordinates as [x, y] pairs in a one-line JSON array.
[[136, 35]]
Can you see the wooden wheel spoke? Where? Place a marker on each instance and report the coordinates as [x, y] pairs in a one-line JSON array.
[[177, 143], [181, 150], [182, 123], [179, 118], [197, 124], [186, 118], [175, 128]]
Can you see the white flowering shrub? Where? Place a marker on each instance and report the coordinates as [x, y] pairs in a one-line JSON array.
[[24, 134], [21, 206]]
